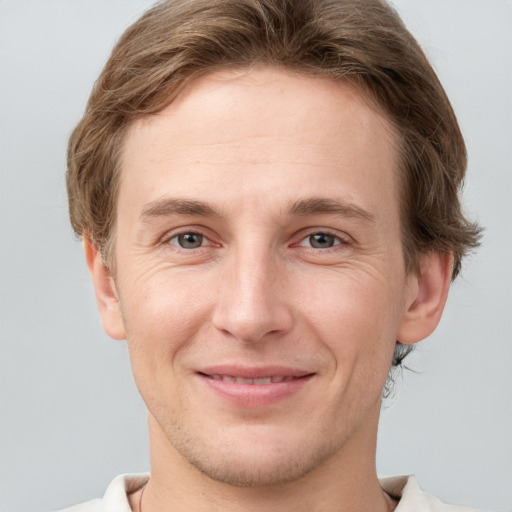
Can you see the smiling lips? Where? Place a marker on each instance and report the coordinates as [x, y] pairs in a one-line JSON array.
[[249, 387], [258, 381]]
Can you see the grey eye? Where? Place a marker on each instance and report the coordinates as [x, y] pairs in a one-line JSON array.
[[188, 240], [322, 240]]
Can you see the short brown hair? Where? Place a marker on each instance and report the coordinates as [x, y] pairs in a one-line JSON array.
[[362, 41]]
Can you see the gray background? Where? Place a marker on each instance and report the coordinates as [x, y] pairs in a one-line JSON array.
[[70, 417]]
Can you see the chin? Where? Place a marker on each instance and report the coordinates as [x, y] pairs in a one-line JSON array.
[[262, 472], [244, 462]]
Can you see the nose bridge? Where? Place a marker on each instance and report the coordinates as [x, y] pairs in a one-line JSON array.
[[250, 305]]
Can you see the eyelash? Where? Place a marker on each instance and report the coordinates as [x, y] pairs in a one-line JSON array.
[[175, 236], [338, 240]]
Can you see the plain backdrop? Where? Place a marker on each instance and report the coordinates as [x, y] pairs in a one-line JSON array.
[[70, 416]]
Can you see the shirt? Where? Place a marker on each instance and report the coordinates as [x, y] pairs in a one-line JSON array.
[[403, 488]]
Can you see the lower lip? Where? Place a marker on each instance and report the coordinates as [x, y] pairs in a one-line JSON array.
[[255, 395]]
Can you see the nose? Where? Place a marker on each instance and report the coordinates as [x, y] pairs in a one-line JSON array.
[[252, 302]]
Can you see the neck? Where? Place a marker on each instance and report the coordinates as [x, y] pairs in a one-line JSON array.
[[346, 481]]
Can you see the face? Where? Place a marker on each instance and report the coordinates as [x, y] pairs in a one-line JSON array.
[[260, 279]]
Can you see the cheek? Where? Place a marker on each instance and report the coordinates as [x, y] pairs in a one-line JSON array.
[[357, 319], [163, 313]]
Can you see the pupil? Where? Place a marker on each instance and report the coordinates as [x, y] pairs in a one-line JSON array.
[[321, 240], [190, 240]]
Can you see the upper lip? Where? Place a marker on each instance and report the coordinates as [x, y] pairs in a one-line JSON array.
[[254, 372]]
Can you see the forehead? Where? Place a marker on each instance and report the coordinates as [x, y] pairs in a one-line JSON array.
[[262, 98], [255, 130]]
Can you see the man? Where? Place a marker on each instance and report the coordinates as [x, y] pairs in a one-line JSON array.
[[267, 192]]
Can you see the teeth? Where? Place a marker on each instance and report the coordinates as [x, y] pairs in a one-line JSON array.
[[282, 379], [241, 380], [266, 380], [261, 380]]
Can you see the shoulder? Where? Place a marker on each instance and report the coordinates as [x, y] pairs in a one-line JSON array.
[[115, 498], [413, 499], [88, 506]]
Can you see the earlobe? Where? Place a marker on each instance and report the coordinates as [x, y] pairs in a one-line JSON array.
[[425, 304], [106, 292]]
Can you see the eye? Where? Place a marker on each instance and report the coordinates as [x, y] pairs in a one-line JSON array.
[[321, 241], [188, 240]]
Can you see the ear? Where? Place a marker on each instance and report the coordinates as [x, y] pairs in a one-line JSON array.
[[106, 292], [427, 297]]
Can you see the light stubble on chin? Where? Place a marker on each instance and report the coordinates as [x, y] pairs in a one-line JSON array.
[[227, 464]]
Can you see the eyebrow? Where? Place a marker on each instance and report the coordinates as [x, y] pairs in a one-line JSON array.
[[302, 208], [171, 206], [320, 206]]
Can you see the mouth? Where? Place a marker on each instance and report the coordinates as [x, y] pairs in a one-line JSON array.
[[257, 381], [251, 387]]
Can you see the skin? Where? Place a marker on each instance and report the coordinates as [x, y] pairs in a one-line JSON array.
[[320, 286]]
